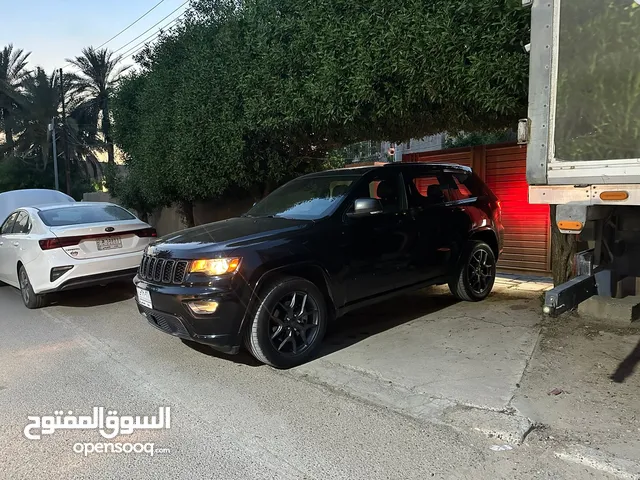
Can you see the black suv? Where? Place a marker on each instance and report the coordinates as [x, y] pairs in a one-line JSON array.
[[316, 248]]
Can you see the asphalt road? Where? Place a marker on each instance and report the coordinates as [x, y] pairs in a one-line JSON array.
[[231, 418]]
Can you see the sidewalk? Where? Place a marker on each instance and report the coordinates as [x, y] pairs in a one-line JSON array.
[[489, 367]]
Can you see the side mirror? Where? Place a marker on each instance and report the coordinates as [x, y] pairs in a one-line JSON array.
[[366, 206]]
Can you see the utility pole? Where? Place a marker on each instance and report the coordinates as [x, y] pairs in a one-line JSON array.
[[52, 129], [65, 140]]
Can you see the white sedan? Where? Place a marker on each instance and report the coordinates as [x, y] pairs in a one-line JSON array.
[[50, 248]]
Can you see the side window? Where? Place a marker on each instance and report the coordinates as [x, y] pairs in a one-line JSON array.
[[384, 186], [7, 226], [427, 189], [460, 191], [23, 224]]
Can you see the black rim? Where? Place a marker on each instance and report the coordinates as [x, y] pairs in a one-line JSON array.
[[293, 323], [480, 271], [24, 285]]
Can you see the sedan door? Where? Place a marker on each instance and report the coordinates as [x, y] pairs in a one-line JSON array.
[[7, 268]]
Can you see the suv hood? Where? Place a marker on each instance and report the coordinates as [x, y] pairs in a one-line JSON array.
[[225, 235]]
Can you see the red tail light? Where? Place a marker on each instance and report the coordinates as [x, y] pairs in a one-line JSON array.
[[498, 212], [51, 243], [146, 233]]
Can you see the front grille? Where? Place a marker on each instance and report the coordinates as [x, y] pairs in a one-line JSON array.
[[159, 270], [166, 323]]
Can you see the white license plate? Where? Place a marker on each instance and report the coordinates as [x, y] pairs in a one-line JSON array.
[[144, 298], [110, 243]]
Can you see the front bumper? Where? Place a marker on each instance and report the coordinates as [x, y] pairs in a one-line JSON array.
[[170, 314]]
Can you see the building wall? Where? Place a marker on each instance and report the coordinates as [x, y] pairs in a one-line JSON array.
[[168, 220]]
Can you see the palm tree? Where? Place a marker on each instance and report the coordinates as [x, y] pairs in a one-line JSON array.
[[96, 81], [40, 100], [13, 72]]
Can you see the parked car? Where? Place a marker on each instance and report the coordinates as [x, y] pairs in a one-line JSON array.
[[29, 197], [316, 248], [62, 246]]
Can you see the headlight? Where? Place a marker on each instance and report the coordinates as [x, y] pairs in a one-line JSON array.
[[215, 266]]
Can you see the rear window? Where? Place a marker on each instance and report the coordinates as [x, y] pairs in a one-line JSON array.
[[60, 217]]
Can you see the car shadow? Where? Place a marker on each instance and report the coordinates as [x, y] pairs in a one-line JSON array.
[[243, 357], [368, 321], [627, 366], [94, 296]]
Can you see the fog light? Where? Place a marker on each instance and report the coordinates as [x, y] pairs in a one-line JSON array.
[[57, 272], [546, 309], [202, 307]]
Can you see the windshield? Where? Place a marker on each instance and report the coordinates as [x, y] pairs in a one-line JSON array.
[[60, 217], [305, 198]]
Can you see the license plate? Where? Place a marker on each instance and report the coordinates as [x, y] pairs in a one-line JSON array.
[[110, 243], [144, 298]]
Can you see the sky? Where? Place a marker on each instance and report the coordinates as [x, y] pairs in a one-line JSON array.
[[55, 30]]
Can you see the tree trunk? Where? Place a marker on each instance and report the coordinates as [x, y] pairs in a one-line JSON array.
[[185, 208], [563, 250], [268, 187], [8, 129], [106, 131]]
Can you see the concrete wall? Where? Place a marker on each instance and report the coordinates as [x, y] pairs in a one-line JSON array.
[[167, 220]]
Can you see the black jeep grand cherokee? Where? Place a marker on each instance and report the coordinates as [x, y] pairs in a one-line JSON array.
[[316, 248]]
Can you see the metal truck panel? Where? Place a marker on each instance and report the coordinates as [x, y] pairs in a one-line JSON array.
[[584, 94], [539, 90]]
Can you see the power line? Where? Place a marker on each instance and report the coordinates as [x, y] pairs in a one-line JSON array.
[[147, 30], [150, 28], [139, 46], [132, 24]]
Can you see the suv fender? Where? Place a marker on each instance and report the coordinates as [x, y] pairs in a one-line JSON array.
[[307, 270]]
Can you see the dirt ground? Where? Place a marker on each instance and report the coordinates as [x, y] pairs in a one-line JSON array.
[[582, 387]]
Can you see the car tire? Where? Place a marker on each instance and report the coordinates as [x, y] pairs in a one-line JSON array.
[[475, 274], [30, 299], [289, 323]]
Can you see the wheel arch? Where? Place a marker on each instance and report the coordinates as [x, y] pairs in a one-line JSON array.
[[309, 271], [489, 237]]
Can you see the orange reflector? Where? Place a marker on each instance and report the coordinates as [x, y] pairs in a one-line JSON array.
[[569, 225], [614, 195], [233, 265]]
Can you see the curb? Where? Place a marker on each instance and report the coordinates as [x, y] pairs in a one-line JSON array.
[[508, 425], [596, 459]]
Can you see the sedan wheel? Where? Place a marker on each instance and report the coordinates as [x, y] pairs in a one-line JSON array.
[[29, 297], [289, 324]]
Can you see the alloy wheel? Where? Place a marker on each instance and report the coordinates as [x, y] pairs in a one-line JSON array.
[[24, 285], [480, 272], [293, 323]]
